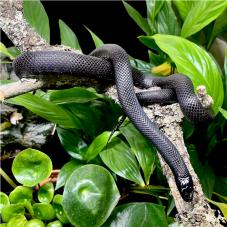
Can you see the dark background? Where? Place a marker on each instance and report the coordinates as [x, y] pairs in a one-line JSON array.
[[107, 19]]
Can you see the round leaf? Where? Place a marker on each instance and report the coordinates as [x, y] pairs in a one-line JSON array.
[[194, 62], [17, 221], [12, 210], [60, 213], [90, 195], [30, 167], [46, 193], [21, 194], [4, 200], [138, 214], [66, 171], [34, 223], [44, 211], [54, 224]]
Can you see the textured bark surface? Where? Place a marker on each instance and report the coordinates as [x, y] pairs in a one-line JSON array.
[[169, 118]]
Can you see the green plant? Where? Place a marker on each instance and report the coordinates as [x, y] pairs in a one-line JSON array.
[[178, 34]]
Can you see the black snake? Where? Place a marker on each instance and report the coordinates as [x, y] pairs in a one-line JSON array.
[[111, 62]]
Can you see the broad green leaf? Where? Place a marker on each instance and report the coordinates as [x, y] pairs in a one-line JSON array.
[[4, 200], [97, 145], [34, 223], [220, 24], [5, 51], [194, 62], [144, 151], [188, 129], [44, 211], [223, 112], [90, 195], [97, 41], [150, 43], [17, 221], [54, 224], [31, 167], [72, 142], [225, 81], [183, 7], [48, 110], [68, 37], [221, 206], [142, 66], [166, 20], [12, 210], [21, 194], [136, 16], [200, 15], [36, 16], [221, 196], [153, 8], [121, 160], [60, 213], [73, 95], [66, 171], [46, 193], [138, 214], [14, 51]]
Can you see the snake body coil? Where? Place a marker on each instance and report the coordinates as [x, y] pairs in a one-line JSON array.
[[111, 62]]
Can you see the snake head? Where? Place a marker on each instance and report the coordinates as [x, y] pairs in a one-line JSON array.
[[185, 187]]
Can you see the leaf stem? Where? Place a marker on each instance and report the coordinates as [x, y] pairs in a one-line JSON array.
[[7, 178]]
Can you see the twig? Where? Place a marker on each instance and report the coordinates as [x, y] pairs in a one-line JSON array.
[[169, 118]]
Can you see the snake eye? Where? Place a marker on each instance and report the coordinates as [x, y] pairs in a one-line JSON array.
[[185, 187]]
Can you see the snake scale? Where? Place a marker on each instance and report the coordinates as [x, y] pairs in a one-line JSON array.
[[111, 63]]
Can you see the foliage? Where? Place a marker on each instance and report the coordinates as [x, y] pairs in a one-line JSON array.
[[100, 172]]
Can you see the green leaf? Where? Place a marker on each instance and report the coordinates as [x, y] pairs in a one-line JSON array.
[[34, 223], [167, 21], [143, 66], [97, 145], [72, 142], [221, 185], [223, 112], [225, 81], [183, 7], [220, 24], [44, 211], [4, 200], [14, 51], [194, 62], [47, 110], [21, 194], [36, 16], [144, 151], [68, 37], [221, 206], [31, 167], [46, 193], [153, 8], [60, 213], [121, 160], [138, 214], [90, 195], [204, 172], [66, 171], [17, 221], [12, 210], [135, 15], [97, 41], [200, 15], [73, 95], [5, 51]]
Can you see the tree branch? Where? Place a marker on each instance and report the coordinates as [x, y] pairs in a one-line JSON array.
[[169, 118]]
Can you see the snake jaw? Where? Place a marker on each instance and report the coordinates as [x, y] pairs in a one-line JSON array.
[[185, 187]]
